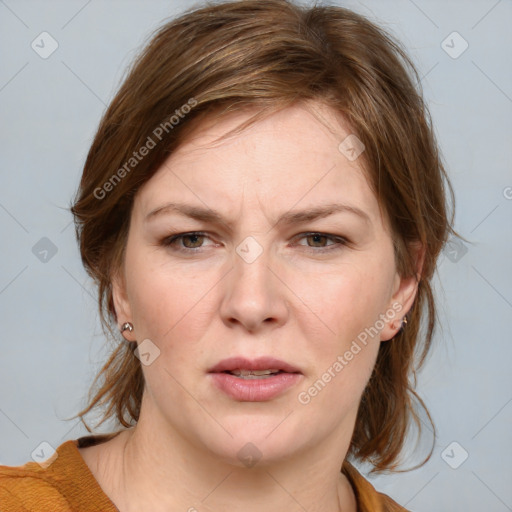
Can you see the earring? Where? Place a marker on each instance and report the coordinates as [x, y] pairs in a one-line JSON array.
[[126, 325], [403, 323], [400, 327]]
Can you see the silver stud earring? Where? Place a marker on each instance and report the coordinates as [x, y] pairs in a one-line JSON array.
[[125, 326]]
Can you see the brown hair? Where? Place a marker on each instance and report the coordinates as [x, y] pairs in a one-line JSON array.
[[267, 56]]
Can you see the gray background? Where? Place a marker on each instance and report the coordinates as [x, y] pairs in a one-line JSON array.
[[51, 341]]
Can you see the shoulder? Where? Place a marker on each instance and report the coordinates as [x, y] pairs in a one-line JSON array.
[[28, 488], [62, 483], [367, 497], [27, 494]]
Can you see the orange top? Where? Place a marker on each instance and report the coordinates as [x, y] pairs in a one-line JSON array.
[[67, 485]]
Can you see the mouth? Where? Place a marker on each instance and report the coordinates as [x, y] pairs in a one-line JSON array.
[[260, 367], [254, 374], [256, 380]]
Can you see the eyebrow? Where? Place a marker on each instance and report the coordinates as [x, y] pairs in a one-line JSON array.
[[288, 218]]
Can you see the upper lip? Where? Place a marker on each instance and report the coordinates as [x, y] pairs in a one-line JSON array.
[[261, 363]]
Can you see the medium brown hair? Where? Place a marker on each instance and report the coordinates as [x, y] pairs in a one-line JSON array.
[[266, 56]]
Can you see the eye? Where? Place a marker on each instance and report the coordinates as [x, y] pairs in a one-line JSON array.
[[191, 241], [194, 241], [320, 239]]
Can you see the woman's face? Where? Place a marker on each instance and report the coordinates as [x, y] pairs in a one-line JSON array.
[[257, 277]]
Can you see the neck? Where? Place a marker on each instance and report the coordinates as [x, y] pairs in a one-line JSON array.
[[145, 471]]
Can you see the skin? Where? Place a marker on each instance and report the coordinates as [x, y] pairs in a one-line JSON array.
[[292, 303]]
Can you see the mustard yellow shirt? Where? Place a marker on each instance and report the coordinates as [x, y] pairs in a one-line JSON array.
[[67, 485]]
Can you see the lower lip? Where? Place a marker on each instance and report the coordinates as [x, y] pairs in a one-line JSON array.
[[255, 390]]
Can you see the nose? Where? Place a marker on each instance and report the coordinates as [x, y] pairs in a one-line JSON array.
[[254, 294]]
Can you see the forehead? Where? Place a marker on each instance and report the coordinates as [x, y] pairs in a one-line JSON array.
[[310, 130], [292, 156]]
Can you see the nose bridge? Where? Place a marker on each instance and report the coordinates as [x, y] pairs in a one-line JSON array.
[[252, 277], [252, 293], [252, 254]]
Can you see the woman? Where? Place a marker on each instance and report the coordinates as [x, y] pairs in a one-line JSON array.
[[262, 208]]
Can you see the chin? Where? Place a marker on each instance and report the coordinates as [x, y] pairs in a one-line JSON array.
[[256, 441]]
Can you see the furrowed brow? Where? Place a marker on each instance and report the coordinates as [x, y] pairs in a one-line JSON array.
[[320, 212], [288, 218], [186, 210]]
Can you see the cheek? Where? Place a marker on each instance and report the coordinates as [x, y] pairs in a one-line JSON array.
[[343, 332], [169, 306], [337, 389], [343, 301]]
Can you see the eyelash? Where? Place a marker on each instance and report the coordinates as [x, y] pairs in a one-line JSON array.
[[339, 242]]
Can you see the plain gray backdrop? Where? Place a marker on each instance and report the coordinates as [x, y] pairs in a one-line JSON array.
[[52, 344]]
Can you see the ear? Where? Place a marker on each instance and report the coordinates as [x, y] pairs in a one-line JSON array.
[[122, 304], [404, 293]]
